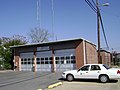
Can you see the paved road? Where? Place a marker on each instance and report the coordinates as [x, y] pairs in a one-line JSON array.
[[88, 85], [27, 80], [40, 80]]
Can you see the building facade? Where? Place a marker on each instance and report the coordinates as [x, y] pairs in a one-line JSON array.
[[54, 56], [118, 59], [105, 57], [115, 58]]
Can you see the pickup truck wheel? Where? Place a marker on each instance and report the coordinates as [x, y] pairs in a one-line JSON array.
[[70, 77], [103, 78]]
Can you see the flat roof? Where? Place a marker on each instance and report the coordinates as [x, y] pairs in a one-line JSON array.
[[52, 42], [102, 50]]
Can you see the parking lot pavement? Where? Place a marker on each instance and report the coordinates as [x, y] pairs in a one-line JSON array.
[[27, 80], [41, 80], [2, 71], [81, 85]]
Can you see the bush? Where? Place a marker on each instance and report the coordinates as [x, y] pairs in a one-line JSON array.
[[7, 66]]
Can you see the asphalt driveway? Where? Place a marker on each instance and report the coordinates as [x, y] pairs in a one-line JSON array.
[[27, 80], [88, 85]]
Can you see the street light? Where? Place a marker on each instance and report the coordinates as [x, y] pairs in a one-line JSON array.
[[106, 4], [98, 26]]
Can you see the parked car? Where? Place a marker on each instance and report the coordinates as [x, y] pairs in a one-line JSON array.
[[93, 71]]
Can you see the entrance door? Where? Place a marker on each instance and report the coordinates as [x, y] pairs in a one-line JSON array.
[[44, 60], [26, 61], [65, 59]]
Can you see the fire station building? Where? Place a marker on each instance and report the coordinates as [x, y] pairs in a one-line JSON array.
[[54, 56]]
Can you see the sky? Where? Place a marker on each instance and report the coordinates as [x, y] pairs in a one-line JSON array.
[[72, 19]]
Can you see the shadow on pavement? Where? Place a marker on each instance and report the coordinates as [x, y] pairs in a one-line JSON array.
[[88, 80]]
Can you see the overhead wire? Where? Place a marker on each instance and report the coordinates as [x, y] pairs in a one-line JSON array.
[[94, 3], [94, 8], [102, 25], [104, 32], [91, 6]]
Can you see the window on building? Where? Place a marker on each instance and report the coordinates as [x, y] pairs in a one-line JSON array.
[[50, 60], [25, 62], [22, 63], [46, 60], [72, 57], [22, 60], [25, 59], [67, 57], [56, 58], [42, 60], [73, 61], [68, 61], [62, 58], [29, 63], [62, 61], [38, 60]]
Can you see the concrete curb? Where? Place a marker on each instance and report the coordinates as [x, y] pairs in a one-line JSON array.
[[2, 71], [54, 85], [39, 89]]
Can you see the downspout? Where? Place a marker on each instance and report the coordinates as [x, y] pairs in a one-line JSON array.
[[84, 52], [53, 61]]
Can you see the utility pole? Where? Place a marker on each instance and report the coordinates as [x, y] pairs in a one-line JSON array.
[[98, 29], [95, 8]]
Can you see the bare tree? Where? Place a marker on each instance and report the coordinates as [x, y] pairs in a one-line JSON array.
[[38, 35], [18, 40]]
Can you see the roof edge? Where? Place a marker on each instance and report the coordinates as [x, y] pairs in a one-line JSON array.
[[64, 40]]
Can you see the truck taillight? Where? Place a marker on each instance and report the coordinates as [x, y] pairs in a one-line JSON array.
[[118, 72]]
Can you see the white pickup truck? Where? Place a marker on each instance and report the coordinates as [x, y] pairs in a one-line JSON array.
[[93, 71]]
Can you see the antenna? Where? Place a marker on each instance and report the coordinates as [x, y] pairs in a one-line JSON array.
[[38, 15], [53, 20]]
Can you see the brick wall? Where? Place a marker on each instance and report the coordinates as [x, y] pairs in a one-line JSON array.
[[105, 57], [79, 55], [91, 53]]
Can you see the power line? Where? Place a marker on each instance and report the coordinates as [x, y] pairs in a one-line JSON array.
[[91, 6], [104, 31], [94, 3], [94, 8]]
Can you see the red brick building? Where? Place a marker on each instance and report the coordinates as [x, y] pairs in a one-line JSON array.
[[105, 57], [54, 56]]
